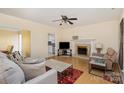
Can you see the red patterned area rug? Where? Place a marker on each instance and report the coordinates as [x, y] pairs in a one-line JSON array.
[[70, 78], [112, 77]]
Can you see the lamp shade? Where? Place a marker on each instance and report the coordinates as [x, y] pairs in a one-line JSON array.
[[99, 45]]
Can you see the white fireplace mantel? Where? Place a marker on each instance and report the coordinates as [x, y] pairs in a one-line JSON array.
[[84, 39], [90, 42]]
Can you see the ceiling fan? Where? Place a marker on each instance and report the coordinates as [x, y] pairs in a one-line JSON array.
[[65, 19]]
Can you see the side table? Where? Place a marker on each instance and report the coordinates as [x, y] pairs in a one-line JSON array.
[[97, 62]]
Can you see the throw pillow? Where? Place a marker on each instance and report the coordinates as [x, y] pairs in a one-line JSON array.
[[16, 57]]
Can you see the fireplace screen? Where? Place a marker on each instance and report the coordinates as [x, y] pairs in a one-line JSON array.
[[82, 50]]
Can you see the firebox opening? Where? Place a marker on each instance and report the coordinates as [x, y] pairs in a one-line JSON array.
[[82, 50]]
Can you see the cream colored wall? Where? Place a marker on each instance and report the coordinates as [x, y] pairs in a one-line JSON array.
[[8, 38], [39, 33], [107, 33]]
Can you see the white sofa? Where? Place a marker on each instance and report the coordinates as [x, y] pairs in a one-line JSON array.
[[11, 73], [49, 77]]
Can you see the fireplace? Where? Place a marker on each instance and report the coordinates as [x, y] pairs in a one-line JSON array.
[[82, 50]]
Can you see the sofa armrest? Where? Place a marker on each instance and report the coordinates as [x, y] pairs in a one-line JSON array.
[[50, 77]]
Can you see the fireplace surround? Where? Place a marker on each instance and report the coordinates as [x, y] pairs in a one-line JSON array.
[[83, 50], [87, 46]]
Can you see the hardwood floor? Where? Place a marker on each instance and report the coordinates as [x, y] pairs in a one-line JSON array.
[[82, 64]]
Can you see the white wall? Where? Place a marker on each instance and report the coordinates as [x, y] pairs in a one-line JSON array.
[[107, 33], [39, 33]]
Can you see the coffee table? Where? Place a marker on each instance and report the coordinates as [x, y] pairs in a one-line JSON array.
[[62, 68], [57, 65]]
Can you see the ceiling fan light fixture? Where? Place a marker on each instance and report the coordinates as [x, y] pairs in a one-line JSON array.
[[65, 19]]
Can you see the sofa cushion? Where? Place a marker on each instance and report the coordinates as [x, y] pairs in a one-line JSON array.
[[10, 73], [3, 55], [33, 70]]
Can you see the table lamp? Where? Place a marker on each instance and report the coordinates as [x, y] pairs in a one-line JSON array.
[[99, 47]]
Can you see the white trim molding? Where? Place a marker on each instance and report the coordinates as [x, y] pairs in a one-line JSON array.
[[9, 27]]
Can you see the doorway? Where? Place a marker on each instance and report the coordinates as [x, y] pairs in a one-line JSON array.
[[51, 44]]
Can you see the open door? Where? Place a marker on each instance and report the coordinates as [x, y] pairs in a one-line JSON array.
[[51, 44]]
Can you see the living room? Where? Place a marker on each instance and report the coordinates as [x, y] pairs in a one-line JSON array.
[[95, 34]]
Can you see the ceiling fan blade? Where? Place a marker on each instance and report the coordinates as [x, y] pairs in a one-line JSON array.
[[72, 19], [63, 16], [57, 20], [70, 22]]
